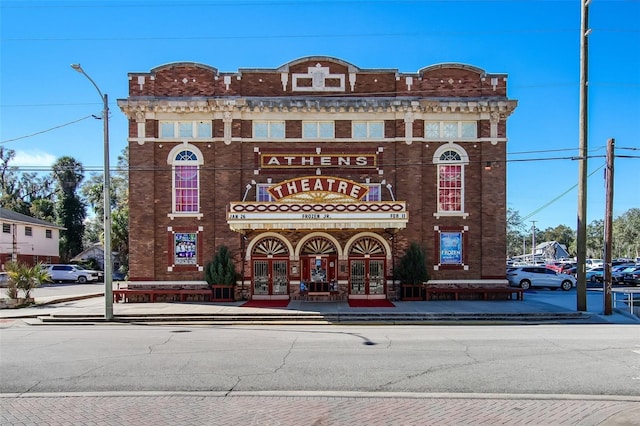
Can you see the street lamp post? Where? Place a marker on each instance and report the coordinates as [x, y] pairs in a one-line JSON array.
[[106, 189]]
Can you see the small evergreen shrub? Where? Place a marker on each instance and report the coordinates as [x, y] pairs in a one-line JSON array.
[[221, 270], [412, 268]]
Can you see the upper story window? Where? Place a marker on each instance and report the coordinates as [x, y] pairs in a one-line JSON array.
[[367, 129], [6, 228], [374, 193], [185, 160], [48, 233], [317, 130], [185, 129], [451, 130], [262, 193], [451, 160], [28, 231], [268, 129]]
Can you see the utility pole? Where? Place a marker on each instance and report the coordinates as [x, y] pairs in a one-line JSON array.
[[581, 240], [533, 242], [608, 228], [14, 244], [106, 197]]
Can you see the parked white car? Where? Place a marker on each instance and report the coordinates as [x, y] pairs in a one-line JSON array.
[[594, 263], [74, 273], [526, 277]]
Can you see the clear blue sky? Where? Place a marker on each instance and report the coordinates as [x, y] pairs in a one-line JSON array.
[[537, 43]]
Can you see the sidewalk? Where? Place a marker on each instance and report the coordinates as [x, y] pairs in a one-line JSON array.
[[318, 408], [315, 408], [76, 301]]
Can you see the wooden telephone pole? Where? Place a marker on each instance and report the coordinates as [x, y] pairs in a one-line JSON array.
[[581, 240], [608, 225]]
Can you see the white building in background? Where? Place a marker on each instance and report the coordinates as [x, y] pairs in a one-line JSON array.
[[27, 239], [546, 252]]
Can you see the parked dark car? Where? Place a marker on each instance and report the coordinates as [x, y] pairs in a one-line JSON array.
[[118, 276], [632, 277], [617, 273]]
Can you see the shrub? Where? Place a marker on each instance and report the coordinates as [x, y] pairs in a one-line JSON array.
[[24, 277], [412, 268], [221, 270]]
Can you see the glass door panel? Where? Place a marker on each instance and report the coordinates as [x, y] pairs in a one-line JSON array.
[[357, 278], [376, 277], [260, 277], [280, 281]]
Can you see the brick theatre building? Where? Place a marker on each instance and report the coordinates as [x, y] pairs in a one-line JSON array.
[[317, 171]]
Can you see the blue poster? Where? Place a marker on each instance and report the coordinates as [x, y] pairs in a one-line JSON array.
[[185, 249], [451, 248]]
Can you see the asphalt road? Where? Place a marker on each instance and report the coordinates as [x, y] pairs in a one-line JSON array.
[[542, 359]]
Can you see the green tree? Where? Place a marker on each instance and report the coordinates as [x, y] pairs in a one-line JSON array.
[[93, 231], [221, 270], [18, 191], [43, 208], [562, 234], [595, 239], [92, 191], [413, 267], [515, 232], [626, 234], [70, 209]]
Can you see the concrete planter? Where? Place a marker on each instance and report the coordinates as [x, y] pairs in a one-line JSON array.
[[16, 303], [223, 293], [412, 292]]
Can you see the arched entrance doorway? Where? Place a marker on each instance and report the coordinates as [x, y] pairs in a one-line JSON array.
[[270, 266], [366, 268], [319, 265]]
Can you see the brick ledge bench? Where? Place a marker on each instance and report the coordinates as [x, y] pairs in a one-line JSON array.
[[431, 292], [125, 295]]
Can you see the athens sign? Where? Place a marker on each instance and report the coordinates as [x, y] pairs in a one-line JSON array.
[[298, 161]]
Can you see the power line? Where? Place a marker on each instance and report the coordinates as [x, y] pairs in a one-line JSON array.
[[544, 206], [45, 131]]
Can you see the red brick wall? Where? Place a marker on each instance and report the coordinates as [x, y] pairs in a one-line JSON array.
[[229, 168]]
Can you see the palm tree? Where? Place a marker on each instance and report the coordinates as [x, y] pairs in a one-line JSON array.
[[25, 277]]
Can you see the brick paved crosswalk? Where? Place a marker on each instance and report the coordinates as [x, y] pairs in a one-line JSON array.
[[306, 409]]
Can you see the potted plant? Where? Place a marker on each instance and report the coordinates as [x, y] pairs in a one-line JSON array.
[[412, 272], [26, 278], [221, 276]]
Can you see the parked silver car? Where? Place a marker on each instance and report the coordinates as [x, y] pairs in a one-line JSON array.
[[538, 276]]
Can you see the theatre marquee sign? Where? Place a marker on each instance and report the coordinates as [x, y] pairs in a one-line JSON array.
[[317, 202], [317, 188]]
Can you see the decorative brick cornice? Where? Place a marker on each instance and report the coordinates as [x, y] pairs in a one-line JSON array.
[[133, 106]]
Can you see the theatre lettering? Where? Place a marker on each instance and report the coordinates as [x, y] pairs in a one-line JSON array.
[[322, 184]]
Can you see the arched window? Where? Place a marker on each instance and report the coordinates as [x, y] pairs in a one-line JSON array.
[[186, 161], [451, 160]]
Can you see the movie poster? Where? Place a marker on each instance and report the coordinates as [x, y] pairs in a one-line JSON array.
[[451, 248], [185, 248]]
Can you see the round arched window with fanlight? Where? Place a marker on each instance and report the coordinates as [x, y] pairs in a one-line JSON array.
[[451, 160], [185, 161]]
